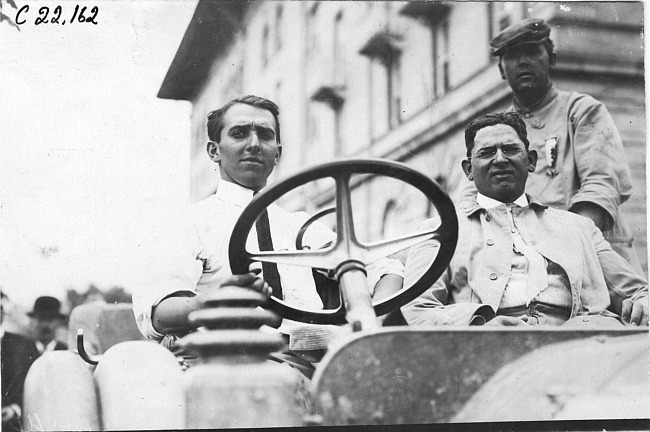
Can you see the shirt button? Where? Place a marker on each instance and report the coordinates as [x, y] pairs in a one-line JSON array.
[[493, 276], [490, 242]]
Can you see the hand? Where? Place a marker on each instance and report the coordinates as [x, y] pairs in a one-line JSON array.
[[170, 315], [250, 280], [8, 413], [635, 312], [502, 320]]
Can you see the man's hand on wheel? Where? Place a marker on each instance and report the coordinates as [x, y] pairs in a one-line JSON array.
[[250, 280]]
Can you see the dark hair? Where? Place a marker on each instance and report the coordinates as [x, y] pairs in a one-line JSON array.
[[215, 118], [511, 119]]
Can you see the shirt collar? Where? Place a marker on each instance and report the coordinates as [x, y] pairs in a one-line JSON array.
[[234, 193], [473, 206], [489, 203]]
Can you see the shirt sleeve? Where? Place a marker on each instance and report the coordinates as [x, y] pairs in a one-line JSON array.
[[618, 273], [431, 308], [602, 167], [381, 268], [176, 269]]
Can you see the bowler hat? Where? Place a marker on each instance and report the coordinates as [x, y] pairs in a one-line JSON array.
[[528, 31], [46, 307]]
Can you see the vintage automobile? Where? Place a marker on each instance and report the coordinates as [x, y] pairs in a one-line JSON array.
[[369, 374]]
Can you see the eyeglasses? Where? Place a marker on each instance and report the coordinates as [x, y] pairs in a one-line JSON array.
[[487, 153]]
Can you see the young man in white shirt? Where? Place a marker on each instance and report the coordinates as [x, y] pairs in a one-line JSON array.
[[245, 142]]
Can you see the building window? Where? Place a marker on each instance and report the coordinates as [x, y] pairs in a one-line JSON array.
[[339, 73], [383, 49], [503, 14], [312, 32], [265, 46], [278, 28], [338, 53], [435, 16], [441, 58], [394, 92], [312, 125]]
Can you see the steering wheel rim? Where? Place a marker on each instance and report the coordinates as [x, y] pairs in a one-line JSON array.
[[341, 171], [303, 229]]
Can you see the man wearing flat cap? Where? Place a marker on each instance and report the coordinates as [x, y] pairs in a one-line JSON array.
[[47, 318], [582, 166]]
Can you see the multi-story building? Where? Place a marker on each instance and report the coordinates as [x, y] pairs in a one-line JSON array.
[[397, 80]]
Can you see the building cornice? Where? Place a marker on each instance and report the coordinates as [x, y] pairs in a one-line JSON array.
[[210, 32]]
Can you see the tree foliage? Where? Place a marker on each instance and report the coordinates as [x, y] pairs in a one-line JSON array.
[[3, 16], [115, 294]]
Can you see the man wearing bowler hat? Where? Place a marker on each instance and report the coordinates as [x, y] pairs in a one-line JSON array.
[[582, 166], [47, 318]]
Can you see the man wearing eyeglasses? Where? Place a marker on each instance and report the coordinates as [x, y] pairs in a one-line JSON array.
[[582, 166], [519, 262]]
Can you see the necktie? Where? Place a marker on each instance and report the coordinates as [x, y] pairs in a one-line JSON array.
[[269, 270], [537, 274]]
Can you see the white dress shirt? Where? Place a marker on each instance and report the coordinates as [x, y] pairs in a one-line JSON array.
[[199, 259], [555, 289]]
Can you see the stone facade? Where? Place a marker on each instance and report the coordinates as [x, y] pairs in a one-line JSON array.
[[397, 80]]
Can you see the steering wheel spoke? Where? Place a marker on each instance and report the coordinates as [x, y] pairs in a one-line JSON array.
[[345, 235], [375, 251], [321, 259]]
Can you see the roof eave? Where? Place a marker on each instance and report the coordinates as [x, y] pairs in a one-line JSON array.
[[213, 25]]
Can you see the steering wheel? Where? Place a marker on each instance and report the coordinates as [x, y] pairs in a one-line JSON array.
[[309, 222], [346, 249]]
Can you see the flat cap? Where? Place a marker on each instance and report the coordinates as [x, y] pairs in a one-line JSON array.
[[531, 30]]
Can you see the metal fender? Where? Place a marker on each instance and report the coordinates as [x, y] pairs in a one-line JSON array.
[[60, 394], [140, 386]]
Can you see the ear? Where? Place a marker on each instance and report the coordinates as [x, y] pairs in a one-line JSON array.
[[467, 169], [213, 151], [532, 160], [552, 59], [278, 153], [503, 75]]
